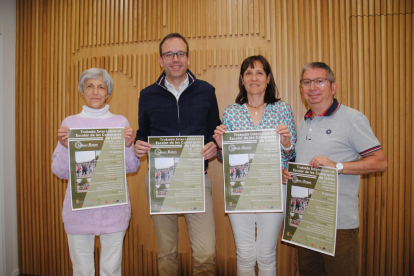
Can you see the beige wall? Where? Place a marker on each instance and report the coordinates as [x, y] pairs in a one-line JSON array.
[[367, 43]]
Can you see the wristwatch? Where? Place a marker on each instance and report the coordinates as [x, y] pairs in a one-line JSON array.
[[340, 167]]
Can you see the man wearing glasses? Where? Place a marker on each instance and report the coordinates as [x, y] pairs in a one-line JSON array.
[[180, 104], [336, 136]]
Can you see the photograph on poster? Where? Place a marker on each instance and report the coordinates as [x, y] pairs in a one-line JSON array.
[[299, 201], [236, 187], [161, 190], [86, 163], [164, 172], [239, 166], [82, 185]]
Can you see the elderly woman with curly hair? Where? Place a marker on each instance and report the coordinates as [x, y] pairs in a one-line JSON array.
[[109, 223]]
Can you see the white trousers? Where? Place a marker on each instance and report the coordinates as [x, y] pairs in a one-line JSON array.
[[82, 247], [252, 249], [260, 247]]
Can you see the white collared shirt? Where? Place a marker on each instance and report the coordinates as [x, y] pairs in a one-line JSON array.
[[181, 88]]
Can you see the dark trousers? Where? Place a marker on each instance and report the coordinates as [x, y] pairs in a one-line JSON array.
[[345, 262]]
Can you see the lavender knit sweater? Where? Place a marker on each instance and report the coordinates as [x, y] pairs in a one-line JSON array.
[[99, 220]]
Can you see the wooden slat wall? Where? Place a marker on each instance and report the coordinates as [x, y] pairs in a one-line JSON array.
[[382, 70], [368, 43]]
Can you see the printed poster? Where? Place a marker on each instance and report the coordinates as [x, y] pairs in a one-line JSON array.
[[176, 170], [311, 208], [97, 167], [252, 171]]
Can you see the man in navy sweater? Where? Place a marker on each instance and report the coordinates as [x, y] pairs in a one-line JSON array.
[[178, 104]]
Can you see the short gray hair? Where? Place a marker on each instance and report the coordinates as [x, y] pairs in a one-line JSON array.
[[320, 65], [96, 73]]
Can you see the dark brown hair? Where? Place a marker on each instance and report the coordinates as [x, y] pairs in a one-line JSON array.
[[271, 93], [171, 36]]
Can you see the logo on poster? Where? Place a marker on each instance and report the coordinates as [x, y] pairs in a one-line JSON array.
[[79, 145], [160, 152], [232, 148]]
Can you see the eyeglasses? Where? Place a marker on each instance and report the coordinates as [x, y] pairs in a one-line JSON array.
[[319, 82], [170, 55]]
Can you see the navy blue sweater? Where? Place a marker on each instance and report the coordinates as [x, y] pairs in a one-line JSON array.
[[195, 112]]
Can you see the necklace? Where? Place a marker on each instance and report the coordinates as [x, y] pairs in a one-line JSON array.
[[255, 107]]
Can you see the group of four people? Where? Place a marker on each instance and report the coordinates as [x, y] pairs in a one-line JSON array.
[[178, 103]]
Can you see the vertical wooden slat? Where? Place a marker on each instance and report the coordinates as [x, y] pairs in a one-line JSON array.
[[115, 17], [402, 157], [134, 71], [102, 26], [91, 22], [63, 34], [215, 57], [245, 17], [204, 22], [24, 259], [189, 16], [396, 128], [224, 27], [150, 19], [220, 56], [164, 13], [196, 20], [149, 66], [73, 33], [122, 19], [208, 16], [131, 19], [390, 190], [218, 28], [144, 20], [116, 63], [256, 18], [36, 214], [240, 16], [262, 16], [235, 16], [111, 20], [379, 197], [140, 26], [121, 63], [98, 25], [251, 16], [409, 239], [139, 71], [130, 64], [108, 22], [81, 24], [229, 18]]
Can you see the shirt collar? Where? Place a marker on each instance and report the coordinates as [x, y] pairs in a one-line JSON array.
[[181, 88], [329, 112], [190, 75]]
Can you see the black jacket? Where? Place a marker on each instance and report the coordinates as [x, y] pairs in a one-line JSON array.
[[195, 112]]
